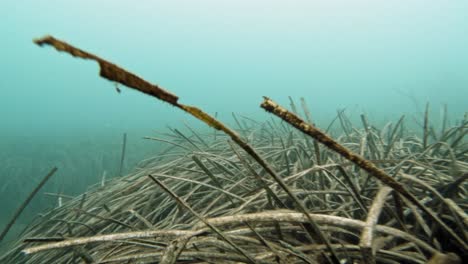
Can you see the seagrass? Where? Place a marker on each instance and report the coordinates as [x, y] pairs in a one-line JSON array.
[[129, 218]]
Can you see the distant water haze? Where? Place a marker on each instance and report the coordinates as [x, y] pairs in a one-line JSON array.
[[373, 56]]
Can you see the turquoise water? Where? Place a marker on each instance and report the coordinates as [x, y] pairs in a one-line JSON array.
[[383, 58]]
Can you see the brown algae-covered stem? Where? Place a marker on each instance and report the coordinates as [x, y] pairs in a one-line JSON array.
[[272, 107], [326, 140], [113, 72]]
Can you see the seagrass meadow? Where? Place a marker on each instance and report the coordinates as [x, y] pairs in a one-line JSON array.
[[270, 191]]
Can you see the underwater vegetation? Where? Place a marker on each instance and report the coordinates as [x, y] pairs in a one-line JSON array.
[[270, 192]]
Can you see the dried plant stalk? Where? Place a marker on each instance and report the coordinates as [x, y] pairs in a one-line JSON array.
[[26, 202], [114, 73], [364, 164], [367, 235]]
